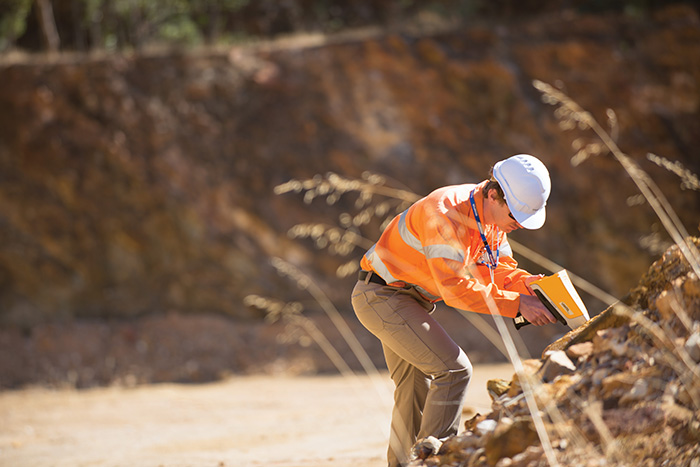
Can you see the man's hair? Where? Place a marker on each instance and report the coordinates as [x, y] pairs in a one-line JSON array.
[[494, 185]]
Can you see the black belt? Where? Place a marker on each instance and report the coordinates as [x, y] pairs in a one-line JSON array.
[[373, 277]]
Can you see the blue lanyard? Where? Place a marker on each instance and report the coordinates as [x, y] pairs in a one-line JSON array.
[[493, 260]]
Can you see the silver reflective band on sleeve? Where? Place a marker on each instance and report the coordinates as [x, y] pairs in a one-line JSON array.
[[443, 251], [430, 251], [383, 272], [379, 266], [406, 235]]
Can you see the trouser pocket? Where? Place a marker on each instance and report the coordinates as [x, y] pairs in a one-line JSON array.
[[376, 306]]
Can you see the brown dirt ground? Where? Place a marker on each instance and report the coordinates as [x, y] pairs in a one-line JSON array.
[[283, 421]]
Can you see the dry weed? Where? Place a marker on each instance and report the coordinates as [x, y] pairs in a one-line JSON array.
[[571, 116], [689, 181]]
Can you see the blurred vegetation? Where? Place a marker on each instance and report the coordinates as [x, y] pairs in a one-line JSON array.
[[84, 25]]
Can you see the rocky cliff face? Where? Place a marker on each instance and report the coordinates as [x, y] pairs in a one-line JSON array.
[[137, 184]]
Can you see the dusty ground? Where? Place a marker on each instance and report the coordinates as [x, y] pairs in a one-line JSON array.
[[243, 421]]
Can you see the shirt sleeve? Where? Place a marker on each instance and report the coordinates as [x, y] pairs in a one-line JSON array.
[[507, 275]]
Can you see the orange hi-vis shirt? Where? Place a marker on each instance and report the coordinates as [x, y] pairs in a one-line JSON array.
[[435, 245]]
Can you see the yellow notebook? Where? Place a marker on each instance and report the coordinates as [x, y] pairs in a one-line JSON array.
[[558, 294]]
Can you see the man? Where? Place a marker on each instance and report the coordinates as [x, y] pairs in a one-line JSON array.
[[450, 246]]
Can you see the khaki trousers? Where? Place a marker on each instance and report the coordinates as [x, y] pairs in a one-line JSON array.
[[430, 371]]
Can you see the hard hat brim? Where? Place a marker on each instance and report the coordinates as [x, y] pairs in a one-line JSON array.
[[532, 221]]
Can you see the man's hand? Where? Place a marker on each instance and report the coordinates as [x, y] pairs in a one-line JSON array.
[[530, 279], [534, 311]]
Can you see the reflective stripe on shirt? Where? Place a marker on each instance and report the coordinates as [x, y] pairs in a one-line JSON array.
[[429, 251]]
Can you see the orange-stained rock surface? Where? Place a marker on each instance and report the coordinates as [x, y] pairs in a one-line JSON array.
[[133, 185]]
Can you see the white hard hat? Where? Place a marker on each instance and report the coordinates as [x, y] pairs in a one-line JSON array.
[[526, 185]]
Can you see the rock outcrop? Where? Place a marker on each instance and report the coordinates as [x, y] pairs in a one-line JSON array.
[[613, 392]]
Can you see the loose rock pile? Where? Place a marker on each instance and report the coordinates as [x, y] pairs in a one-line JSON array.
[[623, 389]]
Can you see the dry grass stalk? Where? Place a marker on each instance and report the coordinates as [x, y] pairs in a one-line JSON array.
[[689, 181], [338, 241], [550, 265], [594, 411], [333, 186], [305, 282], [571, 115], [529, 384], [291, 312], [344, 238]]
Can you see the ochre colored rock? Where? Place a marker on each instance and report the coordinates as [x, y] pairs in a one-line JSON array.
[[584, 333], [530, 369], [576, 351], [557, 363], [497, 387], [510, 438]]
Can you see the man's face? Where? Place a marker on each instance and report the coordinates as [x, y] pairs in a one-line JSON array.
[[502, 217]]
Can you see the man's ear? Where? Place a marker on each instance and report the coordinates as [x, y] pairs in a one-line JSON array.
[[492, 195]]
